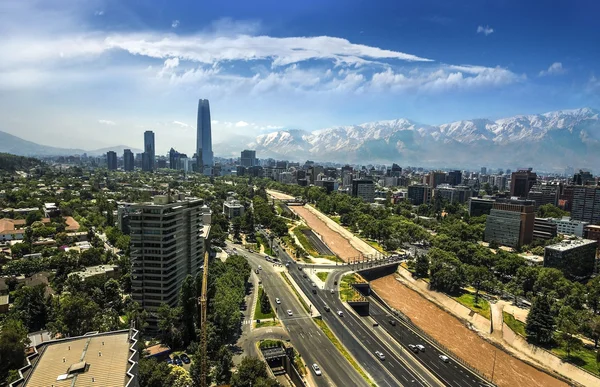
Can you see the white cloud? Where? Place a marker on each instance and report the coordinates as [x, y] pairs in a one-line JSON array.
[[487, 30], [555, 68], [241, 124], [107, 122], [175, 24], [99, 13], [182, 124]]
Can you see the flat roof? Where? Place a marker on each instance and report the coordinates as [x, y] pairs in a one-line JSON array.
[[571, 244], [106, 358]]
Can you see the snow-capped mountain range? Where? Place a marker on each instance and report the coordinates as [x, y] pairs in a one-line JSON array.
[[551, 140]]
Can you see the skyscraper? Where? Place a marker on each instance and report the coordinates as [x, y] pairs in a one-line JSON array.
[[521, 182], [128, 161], [149, 155], [111, 160], [248, 158], [204, 138]]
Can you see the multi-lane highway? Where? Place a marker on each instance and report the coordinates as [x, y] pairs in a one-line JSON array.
[[305, 336]]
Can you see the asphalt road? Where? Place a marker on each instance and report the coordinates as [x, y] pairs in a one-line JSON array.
[[305, 336], [360, 340]]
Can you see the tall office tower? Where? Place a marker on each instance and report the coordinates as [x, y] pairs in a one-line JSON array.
[[521, 182], [248, 158], [128, 160], [483, 170], [168, 239], [510, 223], [454, 178], [204, 138], [111, 160], [149, 155], [586, 204], [583, 178]]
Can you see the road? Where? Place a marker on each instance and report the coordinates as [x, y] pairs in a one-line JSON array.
[[398, 369], [304, 335]]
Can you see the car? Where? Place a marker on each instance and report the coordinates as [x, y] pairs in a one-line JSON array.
[[259, 267], [287, 264], [314, 291], [314, 285], [393, 323], [277, 300], [256, 271], [421, 347], [185, 358], [169, 361], [375, 324], [380, 355], [413, 348], [340, 313], [300, 268], [317, 370], [304, 275], [326, 308], [444, 358], [332, 291], [335, 282], [178, 362], [289, 312]]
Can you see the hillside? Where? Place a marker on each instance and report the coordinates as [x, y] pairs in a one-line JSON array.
[[11, 163]]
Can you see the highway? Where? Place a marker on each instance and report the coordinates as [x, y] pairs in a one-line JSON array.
[[398, 369], [306, 337]]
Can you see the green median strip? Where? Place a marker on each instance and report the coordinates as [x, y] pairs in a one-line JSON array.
[[321, 324], [304, 304]]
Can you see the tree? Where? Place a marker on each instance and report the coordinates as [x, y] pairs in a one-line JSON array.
[[168, 325], [265, 304], [236, 224], [181, 378], [477, 276], [31, 307], [551, 211], [13, 340], [152, 373], [540, 321], [223, 366], [251, 372], [33, 217], [421, 266], [593, 294], [189, 313], [445, 271], [593, 327], [567, 324]]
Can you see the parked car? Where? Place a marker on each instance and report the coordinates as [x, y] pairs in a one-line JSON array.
[[314, 285], [169, 361], [317, 370], [444, 358], [380, 355]]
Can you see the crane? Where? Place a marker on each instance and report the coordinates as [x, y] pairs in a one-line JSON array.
[[202, 301]]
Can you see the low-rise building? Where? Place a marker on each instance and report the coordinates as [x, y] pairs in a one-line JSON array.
[[419, 194], [232, 208], [575, 258], [544, 228], [592, 232], [569, 226], [108, 271], [51, 210]]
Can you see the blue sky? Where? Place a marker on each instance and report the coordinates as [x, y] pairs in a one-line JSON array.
[[97, 73]]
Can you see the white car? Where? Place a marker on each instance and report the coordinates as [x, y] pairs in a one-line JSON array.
[[340, 313], [444, 358], [289, 312], [277, 300], [380, 355], [317, 370], [421, 347], [259, 267]]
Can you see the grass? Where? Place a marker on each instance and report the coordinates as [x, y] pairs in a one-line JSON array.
[[375, 245], [321, 324], [584, 358], [304, 304], [323, 275], [482, 307], [517, 326], [299, 363], [306, 245], [261, 240], [258, 314], [268, 343], [336, 218], [268, 323], [347, 292]]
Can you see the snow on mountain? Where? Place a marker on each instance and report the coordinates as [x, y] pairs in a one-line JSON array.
[[554, 139]]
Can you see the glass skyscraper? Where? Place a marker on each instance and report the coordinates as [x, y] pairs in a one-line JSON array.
[[149, 155], [204, 138]]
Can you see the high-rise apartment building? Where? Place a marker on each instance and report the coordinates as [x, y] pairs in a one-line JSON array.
[[128, 160], [586, 204], [419, 194], [521, 182], [364, 189], [204, 138], [111, 160], [583, 178], [248, 158], [454, 178], [436, 178], [510, 223], [458, 194], [544, 194], [149, 155], [168, 239]]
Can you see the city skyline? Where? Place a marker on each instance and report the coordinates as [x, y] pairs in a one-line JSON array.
[[270, 67]]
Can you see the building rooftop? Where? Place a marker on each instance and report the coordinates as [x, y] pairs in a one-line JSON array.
[[571, 244], [103, 359], [95, 270]]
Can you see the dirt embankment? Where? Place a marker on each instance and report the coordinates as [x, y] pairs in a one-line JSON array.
[[450, 332], [337, 243]]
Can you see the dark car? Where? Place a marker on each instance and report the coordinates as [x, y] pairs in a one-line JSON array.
[[185, 358], [169, 360], [393, 322], [304, 275]]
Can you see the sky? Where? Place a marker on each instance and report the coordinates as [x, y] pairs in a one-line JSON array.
[[96, 73]]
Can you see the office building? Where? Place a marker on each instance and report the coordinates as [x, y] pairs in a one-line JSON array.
[[419, 194], [521, 182], [510, 223], [111, 160], [479, 206], [248, 158], [168, 240], [569, 226], [175, 159], [458, 194], [436, 178], [204, 138], [544, 194], [364, 189], [586, 204], [583, 178], [575, 258], [483, 170], [149, 155], [454, 178], [592, 232], [328, 184], [95, 359], [497, 181], [128, 160], [232, 208], [544, 229]]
